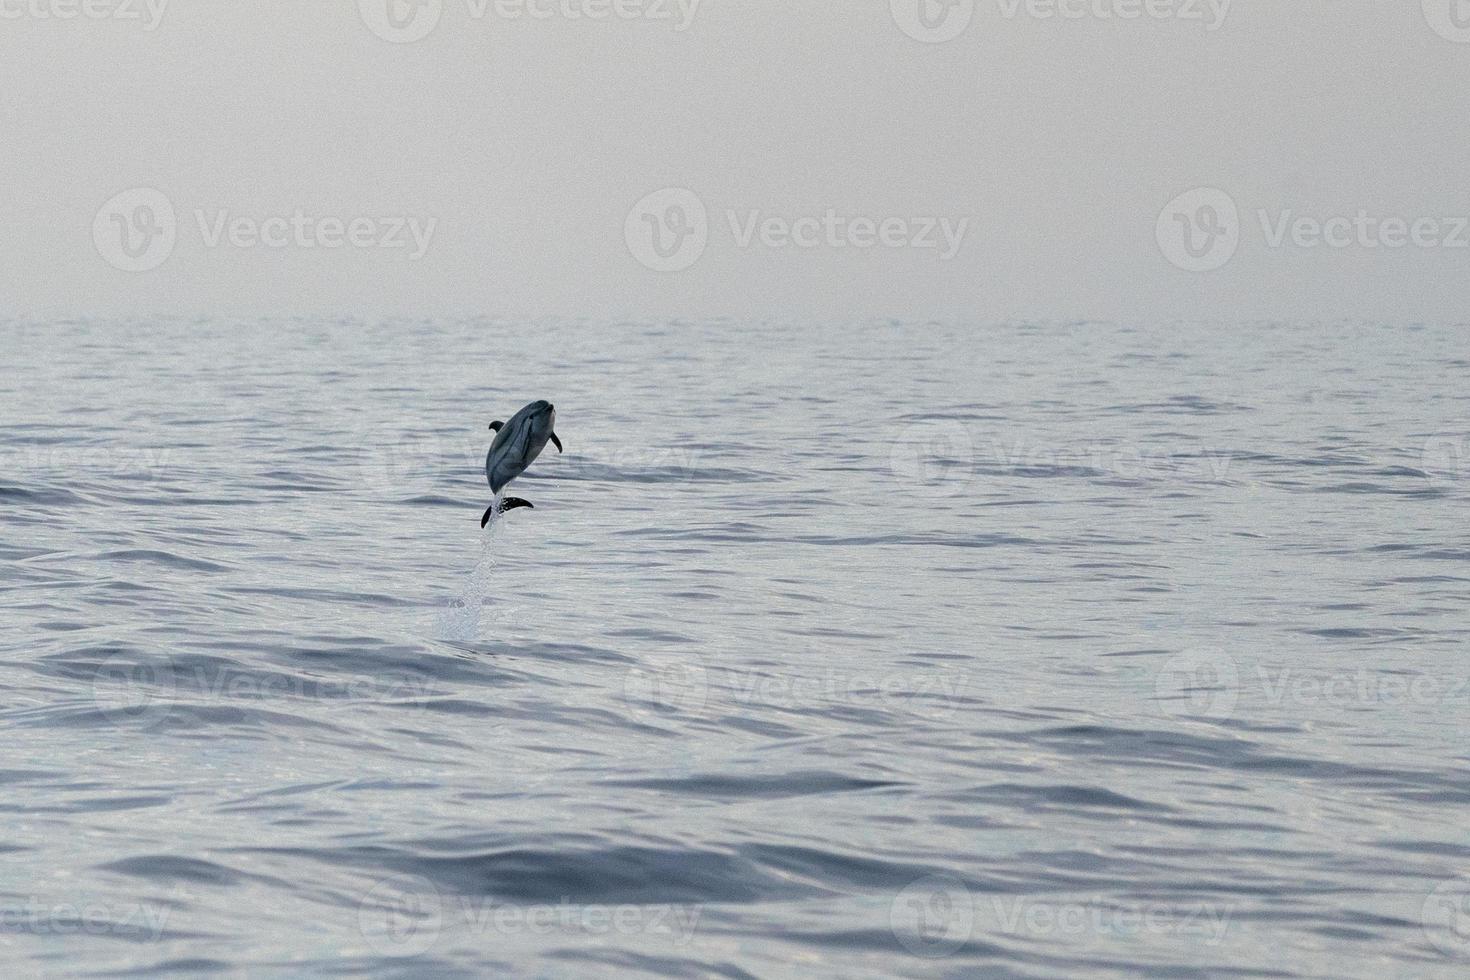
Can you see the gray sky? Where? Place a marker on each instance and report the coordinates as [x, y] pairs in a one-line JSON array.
[[517, 146]]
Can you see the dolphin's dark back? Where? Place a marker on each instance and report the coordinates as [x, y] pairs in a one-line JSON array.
[[518, 443]]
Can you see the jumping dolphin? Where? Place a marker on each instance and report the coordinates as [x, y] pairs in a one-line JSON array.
[[517, 443]]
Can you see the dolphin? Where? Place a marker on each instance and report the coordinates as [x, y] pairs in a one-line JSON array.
[[517, 443]]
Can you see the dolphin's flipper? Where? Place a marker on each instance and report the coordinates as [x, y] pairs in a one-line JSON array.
[[509, 503], [557, 441], [496, 426]]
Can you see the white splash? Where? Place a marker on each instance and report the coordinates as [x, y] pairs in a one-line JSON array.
[[460, 619]]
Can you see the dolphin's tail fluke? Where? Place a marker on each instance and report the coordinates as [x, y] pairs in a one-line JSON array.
[[509, 503]]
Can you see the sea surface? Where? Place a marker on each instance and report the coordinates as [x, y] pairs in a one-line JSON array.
[[857, 649]]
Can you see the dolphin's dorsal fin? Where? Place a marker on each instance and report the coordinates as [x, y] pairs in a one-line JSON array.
[[496, 426]]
